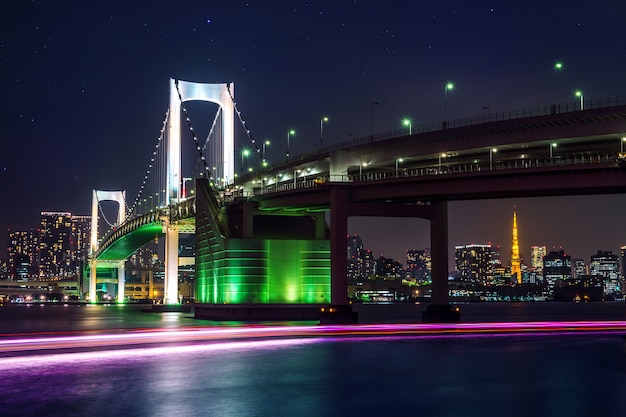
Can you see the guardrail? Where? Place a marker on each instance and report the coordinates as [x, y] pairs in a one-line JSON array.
[[466, 168]]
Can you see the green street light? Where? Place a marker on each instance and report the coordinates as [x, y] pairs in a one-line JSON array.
[[407, 122], [580, 94], [244, 154], [322, 121], [289, 134], [448, 86], [265, 143], [557, 67]]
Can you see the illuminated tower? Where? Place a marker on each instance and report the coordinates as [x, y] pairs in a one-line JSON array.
[[516, 270]]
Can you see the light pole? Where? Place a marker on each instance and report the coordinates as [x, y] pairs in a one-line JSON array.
[[244, 154], [265, 143], [322, 120], [621, 144], [289, 134], [552, 145], [448, 86], [397, 162], [557, 68], [407, 122], [441, 155], [491, 152], [580, 94], [185, 179]]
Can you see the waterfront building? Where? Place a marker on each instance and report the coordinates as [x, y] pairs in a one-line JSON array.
[[537, 252], [580, 268], [516, 263], [472, 263], [387, 267], [63, 244], [369, 263], [418, 264], [557, 265], [605, 264], [22, 248], [355, 257]]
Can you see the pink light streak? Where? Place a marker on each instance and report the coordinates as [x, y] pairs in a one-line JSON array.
[[213, 335]]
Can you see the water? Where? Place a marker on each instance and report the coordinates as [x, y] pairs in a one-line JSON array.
[[573, 375], [470, 375]]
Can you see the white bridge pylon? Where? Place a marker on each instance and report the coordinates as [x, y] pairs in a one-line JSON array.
[[181, 91], [120, 198]]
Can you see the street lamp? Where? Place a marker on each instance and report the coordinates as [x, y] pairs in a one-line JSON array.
[[361, 165], [322, 120], [397, 162], [265, 143], [557, 67], [552, 145], [185, 179], [448, 86], [245, 153], [441, 155], [621, 144], [491, 152], [289, 134], [580, 94], [407, 122]]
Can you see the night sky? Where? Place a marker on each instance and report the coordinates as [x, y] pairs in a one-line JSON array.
[[85, 86]]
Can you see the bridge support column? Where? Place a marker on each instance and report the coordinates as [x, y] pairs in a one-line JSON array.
[[121, 282], [340, 310], [170, 290], [338, 233], [440, 309], [92, 281]]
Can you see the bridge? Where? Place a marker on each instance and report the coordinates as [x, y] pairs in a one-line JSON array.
[[245, 225]]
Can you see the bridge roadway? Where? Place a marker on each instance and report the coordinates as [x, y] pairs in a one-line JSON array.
[[552, 155], [571, 153]]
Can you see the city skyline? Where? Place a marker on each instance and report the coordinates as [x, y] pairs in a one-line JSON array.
[[86, 90]]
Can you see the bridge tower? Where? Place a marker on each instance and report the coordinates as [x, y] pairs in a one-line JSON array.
[[180, 91], [120, 198]]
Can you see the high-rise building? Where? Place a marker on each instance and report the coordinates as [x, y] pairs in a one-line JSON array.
[[516, 263], [55, 249], [22, 243], [606, 265], [418, 264], [557, 265], [79, 241], [537, 252], [580, 268], [473, 263], [355, 257]]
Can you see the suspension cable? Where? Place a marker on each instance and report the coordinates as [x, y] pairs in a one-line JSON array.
[[243, 122], [132, 209]]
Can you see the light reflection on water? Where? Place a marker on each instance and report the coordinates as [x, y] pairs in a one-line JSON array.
[[573, 375]]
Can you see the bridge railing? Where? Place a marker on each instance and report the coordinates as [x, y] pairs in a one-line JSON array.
[[449, 168], [569, 107]]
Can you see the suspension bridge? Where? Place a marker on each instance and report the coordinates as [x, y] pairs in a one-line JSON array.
[[262, 238]]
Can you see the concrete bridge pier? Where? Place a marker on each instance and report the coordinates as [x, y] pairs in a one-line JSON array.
[[339, 311], [121, 281], [440, 309]]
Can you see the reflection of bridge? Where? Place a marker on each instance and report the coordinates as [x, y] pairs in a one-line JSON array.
[[238, 254]]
